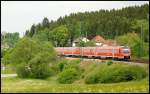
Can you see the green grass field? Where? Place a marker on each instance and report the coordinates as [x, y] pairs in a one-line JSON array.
[[16, 85], [51, 85]]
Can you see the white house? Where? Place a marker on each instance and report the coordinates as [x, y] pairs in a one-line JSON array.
[[76, 41]]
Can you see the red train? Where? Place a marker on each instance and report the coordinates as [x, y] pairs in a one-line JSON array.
[[118, 52]]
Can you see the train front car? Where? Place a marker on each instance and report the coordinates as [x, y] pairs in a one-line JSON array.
[[126, 53]]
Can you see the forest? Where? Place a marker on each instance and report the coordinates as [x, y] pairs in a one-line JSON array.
[[129, 26]]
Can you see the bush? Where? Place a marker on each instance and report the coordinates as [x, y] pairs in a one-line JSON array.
[[32, 58], [6, 56], [109, 63], [23, 71], [115, 73], [70, 71], [73, 64], [3, 51], [35, 69], [91, 78], [92, 75], [88, 68], [68, 76], [90, 44], [62, 64], [39, 69]]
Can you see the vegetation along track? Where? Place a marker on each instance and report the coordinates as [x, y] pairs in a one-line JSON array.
[[117, 61]]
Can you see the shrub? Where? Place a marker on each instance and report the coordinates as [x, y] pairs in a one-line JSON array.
[[68, 76], [91, 78], [3, 51], [23, 71], [92, 75], [32, 58], [88, 67], [116, 73], [109, 63], [90, 44], [6, 56], [39, 69], [35, 69], [62, 64], [73, 64]]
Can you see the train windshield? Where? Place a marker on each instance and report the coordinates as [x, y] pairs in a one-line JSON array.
[[125, 50]]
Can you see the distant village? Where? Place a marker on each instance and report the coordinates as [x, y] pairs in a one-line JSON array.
[[99, 41]]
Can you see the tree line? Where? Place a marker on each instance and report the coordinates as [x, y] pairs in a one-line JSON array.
[[9, 38], [108, 24]]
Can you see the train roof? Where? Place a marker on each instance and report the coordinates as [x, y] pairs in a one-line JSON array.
[[125, 47]]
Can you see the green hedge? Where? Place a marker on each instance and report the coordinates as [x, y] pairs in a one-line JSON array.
[[68, 76], [65, 64], [115, 73]]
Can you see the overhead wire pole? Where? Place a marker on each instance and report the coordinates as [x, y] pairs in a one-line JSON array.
[[141, 50], [80, 40], [86, 36], [148, 27], [142, 38], [115, 37], [113, 46]]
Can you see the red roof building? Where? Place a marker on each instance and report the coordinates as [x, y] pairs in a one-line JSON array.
[[99, 39]]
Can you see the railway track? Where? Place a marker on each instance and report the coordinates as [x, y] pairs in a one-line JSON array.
[[117, 61], [141, 61]]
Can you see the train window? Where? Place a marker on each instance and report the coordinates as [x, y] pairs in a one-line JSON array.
[[125, 50], [104, 50], [114, 50]]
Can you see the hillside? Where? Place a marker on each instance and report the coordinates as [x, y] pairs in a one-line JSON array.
[[130, 23], [106, 23]]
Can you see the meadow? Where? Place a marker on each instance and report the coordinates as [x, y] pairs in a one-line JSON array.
[[51, 85], [16, 85]]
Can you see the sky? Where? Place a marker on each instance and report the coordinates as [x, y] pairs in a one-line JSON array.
[[18, 16]]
